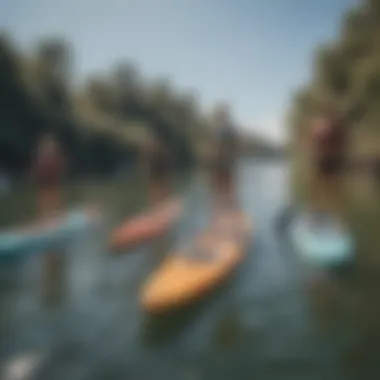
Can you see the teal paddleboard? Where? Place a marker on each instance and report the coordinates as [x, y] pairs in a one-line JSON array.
[[323, 243], [49, 236]]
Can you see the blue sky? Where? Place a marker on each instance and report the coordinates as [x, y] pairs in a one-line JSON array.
[[253, 53]]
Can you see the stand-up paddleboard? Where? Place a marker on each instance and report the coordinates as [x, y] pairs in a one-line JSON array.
[[188, 274], [322, 243], [44, 235], [146, 226]]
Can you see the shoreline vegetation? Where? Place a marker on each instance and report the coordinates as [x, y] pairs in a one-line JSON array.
[[346, 75], [102, 121]]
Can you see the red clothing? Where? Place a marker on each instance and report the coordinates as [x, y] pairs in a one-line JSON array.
[[329, 137], [329, 143]]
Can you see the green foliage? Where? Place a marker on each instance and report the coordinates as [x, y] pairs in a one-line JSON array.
[[101, 123], [347, 73]]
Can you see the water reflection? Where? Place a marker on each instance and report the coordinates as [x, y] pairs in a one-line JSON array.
[[228, 332], [54, 277]]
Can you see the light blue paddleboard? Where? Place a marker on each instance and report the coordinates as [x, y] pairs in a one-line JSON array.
[[323, 243], [15, 244]]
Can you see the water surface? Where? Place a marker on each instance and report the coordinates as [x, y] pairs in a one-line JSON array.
[[258, 325]]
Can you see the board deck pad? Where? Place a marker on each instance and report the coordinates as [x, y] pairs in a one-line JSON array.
[[199, 254]]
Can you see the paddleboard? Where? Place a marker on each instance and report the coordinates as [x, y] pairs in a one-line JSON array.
[[146, 226], [44, 235], [192, 272], [321, 243]]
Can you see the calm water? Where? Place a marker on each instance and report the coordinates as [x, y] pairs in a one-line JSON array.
[[259, 325]]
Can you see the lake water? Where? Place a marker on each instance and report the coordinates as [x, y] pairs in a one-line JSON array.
[[259, 325]]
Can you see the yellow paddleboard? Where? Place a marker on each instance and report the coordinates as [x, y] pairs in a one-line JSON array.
[[188, 274]]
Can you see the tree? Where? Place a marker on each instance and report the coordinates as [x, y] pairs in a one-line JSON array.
[[347, 71]]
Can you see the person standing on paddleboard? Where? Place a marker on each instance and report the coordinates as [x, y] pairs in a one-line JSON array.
[[225, 145], [158, 164], [328, 143], [48, 169]]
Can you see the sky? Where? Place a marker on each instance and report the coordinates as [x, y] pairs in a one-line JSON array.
[[251, 53]]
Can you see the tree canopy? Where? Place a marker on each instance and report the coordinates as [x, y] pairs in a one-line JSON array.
[[346, 74], [102, 122]]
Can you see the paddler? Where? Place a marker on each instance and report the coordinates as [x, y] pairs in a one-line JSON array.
[[225, 148], [328, 142], [158, 166], [48, 168]]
